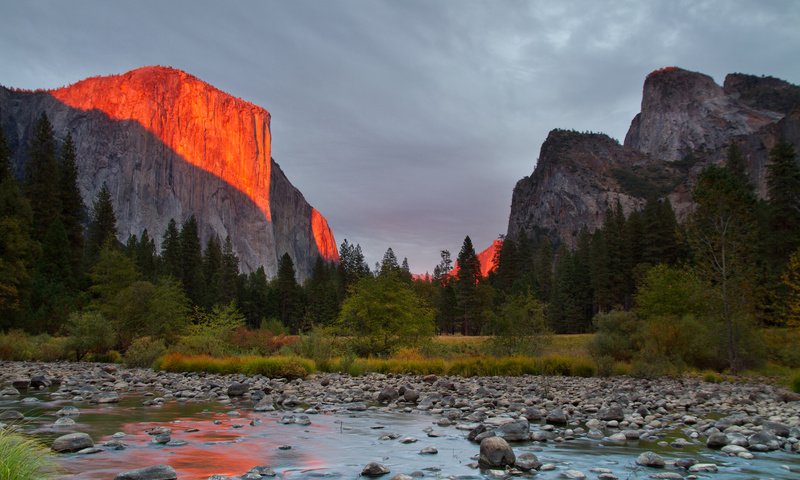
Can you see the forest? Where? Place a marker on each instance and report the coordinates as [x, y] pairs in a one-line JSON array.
[[710, 293]]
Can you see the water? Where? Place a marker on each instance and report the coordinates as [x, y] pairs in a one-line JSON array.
[[335, 445]]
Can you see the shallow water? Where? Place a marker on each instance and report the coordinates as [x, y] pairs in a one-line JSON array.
[[335, 445]]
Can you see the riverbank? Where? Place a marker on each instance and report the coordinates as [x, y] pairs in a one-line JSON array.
[[746, 418]]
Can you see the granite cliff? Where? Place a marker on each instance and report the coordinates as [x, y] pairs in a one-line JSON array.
[[686, 122], [168, 146]]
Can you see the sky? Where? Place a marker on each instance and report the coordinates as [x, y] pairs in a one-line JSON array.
[[407, 123]]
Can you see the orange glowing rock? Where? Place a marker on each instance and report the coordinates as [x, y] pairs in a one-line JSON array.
[[323, 236], [210, 129]]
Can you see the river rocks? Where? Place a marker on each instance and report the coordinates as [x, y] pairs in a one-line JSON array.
[[515, 431], [68, 411], [777, 429], [11, 415], [495, 452], [573, 474], [428, 451], [650, 459], [72, 442], [156, 472], [703, 468], [237, 389], [611, 413], [717, 440], [9, 392], [21, 383], [374, 469], [527, 461], [108, 398], [64, 421], [410, 396], [266, 404], [39, 381], [557, 416], [388, 395]]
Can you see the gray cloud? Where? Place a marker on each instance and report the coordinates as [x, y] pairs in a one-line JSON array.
[[408, 123]]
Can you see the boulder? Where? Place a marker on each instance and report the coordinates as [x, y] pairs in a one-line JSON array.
[[72, 442], [611, 413], [388, 395], [527, 461], [374, 469], [717, 440], [156, 472], [516, 431], [496, 453], [557, 416], [650, 459], [237, 389]]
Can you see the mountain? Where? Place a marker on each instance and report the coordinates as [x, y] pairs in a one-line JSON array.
[[169, 145], [686, 123]]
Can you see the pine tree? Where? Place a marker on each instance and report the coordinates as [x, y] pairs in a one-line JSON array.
[[18, 250], [507, 268], [322, 293], [171, 251], [146, 259], [255, 298], [229, 273], [783, 188], [41, 179], [737, 164], [389, 265], [191, 261], [72, 207], [212, 272], [721, 233], [289, 294], [103, 224], [467, 278], [791, 280]]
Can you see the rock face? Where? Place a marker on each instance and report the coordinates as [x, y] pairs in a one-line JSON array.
[[168, 146], [687, 122]]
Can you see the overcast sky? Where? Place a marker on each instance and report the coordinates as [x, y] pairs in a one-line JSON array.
[[407, 123]]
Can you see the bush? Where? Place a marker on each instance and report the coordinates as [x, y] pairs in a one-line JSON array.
[[794, 383], [782, 345], [259, 342], [22, 458], [89, 332], [285, 367], [520, 327], [680, 342], [16, 345], [617, 336], [144, 351]]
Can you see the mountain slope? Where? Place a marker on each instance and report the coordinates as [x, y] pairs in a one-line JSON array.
[[687, 122], [168, 146]]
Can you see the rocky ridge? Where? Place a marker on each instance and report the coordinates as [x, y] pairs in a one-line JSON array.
[[686, 122], [169, 145]]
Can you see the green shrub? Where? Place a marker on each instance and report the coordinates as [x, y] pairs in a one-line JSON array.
[[782, 345], [203, 345], [16, 345], [22, 458], [794, 383], [617, 336], [51, 349], [89, 332], [144, 351]]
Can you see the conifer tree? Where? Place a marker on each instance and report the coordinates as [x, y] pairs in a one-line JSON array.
[[229, 273], [146, 259], [389, 265], [72, 207], [737, 164], [289, 294], [322, 293], [212, 272], [171, 251], [783, 188], [41, 178], [191, 261], [255, 298], [469, 274], [721, 232], [103, 224], [18, 251], [791, 280]]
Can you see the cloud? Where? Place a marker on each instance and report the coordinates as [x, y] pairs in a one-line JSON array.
[[408, 123]]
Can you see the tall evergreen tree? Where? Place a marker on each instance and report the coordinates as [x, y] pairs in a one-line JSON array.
[[103, 224], [467, 278], [191, 261], [229, 273], [255, 298], [783, 188], [389, 265], [146, 259], [171, 251], [737, 164], [290, 305], [18, 250], [721, 232], [212, 272], [41, 179], [322, 294], [72, 207]]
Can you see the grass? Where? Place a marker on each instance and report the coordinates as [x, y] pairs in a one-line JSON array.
[[279, 366], [22, 458], [297, 367]]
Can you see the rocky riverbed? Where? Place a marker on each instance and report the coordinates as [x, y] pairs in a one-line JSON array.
[[666, 428]]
